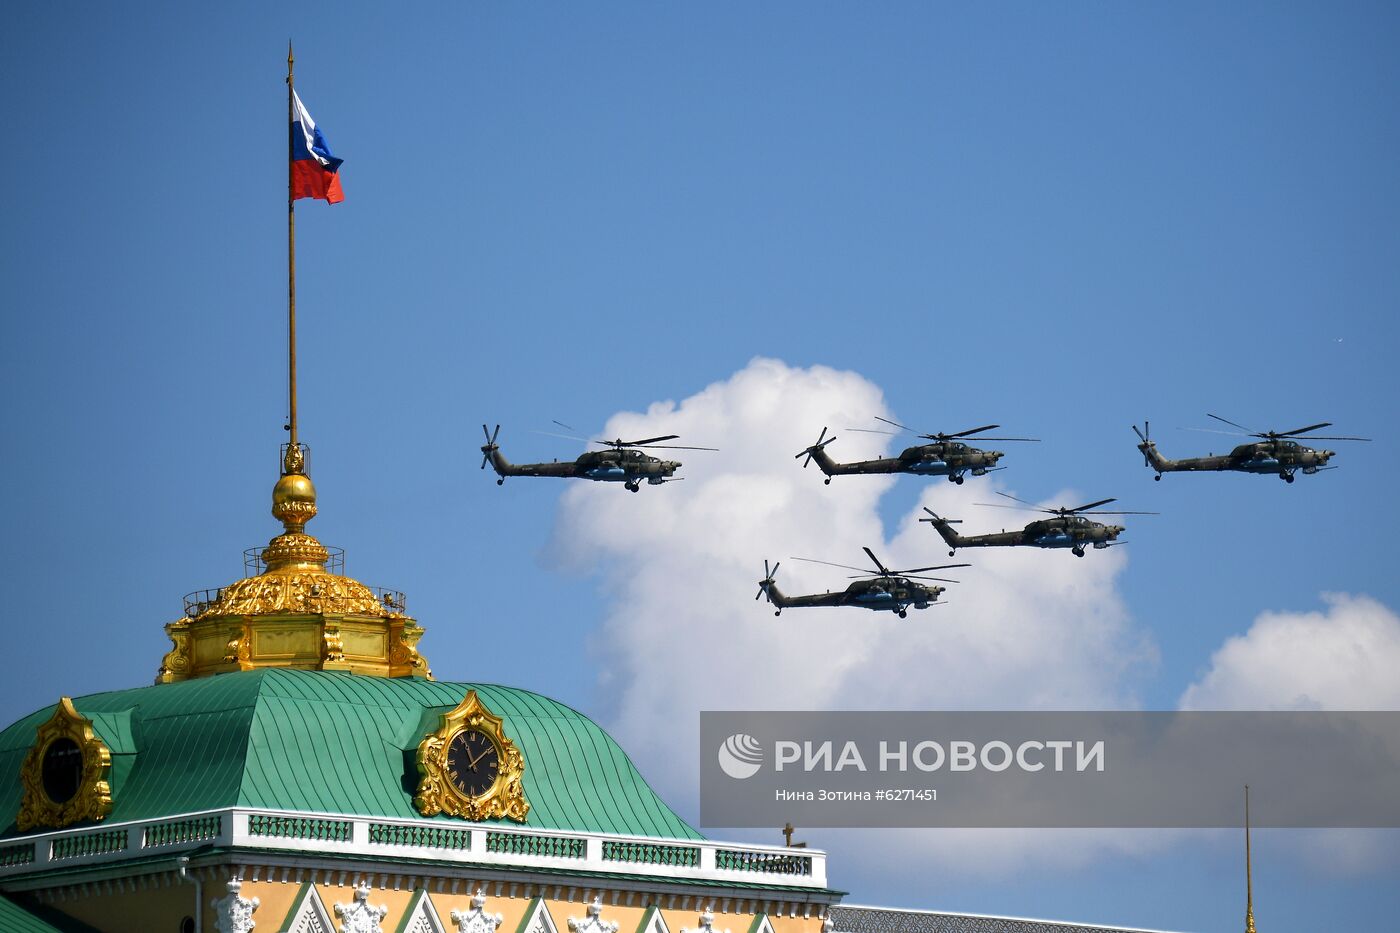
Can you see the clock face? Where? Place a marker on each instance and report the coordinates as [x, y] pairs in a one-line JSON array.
[[473, 762]]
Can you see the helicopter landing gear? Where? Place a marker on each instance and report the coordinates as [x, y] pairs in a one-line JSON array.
[[1158, 477], [500, 481], [955, 478], [1286, 476], [1078, 551], [778, 613], [827, 481], [904, 613], [631, 487]]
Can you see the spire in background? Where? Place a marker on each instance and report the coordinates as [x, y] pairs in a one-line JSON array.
[[1248, 871]]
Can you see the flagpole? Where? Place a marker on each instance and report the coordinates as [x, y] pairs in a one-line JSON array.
[[293, 453], [1248, 871]]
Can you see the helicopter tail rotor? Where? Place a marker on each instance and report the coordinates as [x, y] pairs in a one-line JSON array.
[[822, 441], [1145, 435], [767, 581], [490, 446]]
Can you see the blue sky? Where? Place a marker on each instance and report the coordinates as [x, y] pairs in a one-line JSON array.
[[1064, 219]]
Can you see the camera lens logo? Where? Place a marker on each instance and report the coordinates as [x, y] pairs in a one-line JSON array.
[[741, 756]]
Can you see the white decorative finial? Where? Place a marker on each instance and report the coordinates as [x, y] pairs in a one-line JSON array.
[[232, 913], [360, 916], [476, 920], [593, 923], [707, 921]]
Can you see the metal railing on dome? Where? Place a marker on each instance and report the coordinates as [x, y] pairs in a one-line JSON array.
[[254, 565]]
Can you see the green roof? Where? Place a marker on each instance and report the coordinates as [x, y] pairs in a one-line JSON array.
[[332, 742], [15, 919]]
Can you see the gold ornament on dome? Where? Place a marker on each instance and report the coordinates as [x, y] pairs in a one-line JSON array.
[[450, 767], [69, 762], [314, 592]]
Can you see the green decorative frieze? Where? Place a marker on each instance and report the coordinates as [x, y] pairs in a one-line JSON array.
[[15, 856], [428, 837], [287, 827], [181, 832], [768, 863], [529, 844], [651, 853], [101, 843]]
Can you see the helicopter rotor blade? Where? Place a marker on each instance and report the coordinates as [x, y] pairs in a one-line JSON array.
[[1318, 437], [907, 576], [1014, 499], [1230, 423], [570, 437], [1034, 440], [985, 427], [822, 441], [860, 570], [874, 431], [1142, 437], [566, 427], [876, 560], [1091, 505], [896, 424], [1311, 427], [913, 570], [648, 440], [1015, 508], [1119, 513], [938, 518], [490, 444], [1226, 433], [671, 447]]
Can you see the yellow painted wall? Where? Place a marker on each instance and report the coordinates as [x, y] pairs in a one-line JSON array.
[[160, 908]]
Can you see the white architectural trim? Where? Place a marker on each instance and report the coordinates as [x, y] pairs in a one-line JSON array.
[[476, 919], [360, 916], [422, 916], [592, 921], [538, 919], [308, 914], [232, 912]]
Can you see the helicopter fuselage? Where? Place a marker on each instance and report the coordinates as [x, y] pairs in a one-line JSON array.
[[631, 467], [1282, 457], [1074, 532], [944, 458], [890, 594]]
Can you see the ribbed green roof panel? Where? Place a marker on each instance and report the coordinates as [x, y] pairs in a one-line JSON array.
[[331, 742], [15, 919]]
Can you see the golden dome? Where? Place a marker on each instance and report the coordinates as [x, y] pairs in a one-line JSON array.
[[294, 613]]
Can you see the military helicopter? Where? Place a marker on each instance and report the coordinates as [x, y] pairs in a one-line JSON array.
[[1275, 452], [1068, 529], [885, 589], [946, 456], [619, 463]]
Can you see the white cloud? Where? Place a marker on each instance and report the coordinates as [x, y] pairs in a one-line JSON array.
[[1026, 628], [1343, 658]]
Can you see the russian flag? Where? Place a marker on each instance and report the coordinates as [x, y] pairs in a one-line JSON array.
[[313, 167]]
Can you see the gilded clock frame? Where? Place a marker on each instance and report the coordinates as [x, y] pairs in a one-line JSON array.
[[437, 794], [93, 799]]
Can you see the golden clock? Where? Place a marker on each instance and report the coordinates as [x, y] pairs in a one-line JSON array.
[[468, 767]]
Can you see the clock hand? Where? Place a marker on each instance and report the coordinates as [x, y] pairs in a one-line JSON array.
[[471, 762]]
